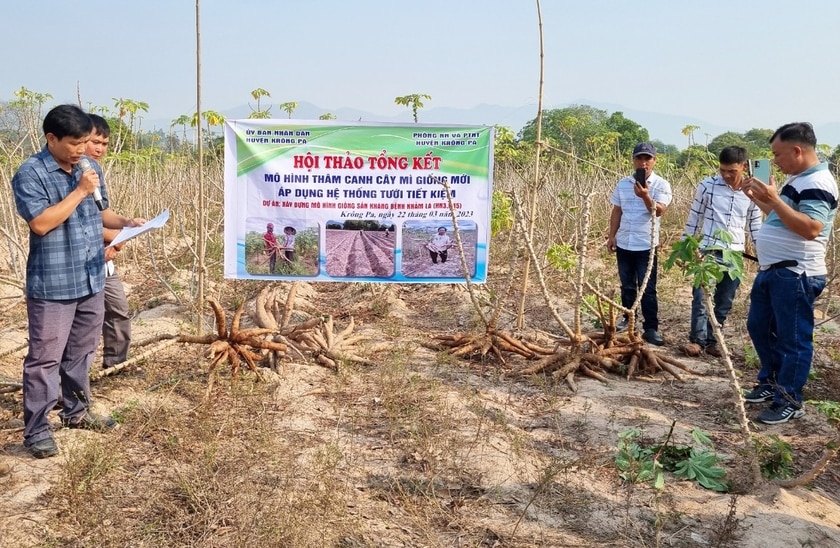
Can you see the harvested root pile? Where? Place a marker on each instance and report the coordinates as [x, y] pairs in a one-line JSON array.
[[592, 355], [233, 345], [317, 337]]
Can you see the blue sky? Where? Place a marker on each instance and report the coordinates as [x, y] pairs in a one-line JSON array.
[[733, 63]]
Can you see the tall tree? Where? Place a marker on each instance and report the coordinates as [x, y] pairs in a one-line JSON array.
[[413, 101], [629, 132], [258, 113], [289, 107]]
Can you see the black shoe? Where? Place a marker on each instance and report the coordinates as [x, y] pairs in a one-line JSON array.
[[760, 394], [44, 448], [91, 422], [653, 337], [778, 413], [621, 325]]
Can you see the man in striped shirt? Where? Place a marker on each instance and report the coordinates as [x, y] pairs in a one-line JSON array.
[[719, 204], [791, 253]]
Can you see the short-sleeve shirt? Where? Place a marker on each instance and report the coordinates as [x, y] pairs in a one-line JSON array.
[[634, 229], [68, 262], [814, 193]]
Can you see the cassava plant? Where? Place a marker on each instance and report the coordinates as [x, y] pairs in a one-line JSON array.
[[704, 269]]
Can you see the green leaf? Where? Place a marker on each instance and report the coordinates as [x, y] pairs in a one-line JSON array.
[[659, 482], [702, 468], [701, 437]]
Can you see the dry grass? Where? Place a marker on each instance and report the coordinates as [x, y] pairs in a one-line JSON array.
[[418, 449]]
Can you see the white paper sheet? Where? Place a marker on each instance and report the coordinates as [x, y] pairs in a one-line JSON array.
[[131, 232]]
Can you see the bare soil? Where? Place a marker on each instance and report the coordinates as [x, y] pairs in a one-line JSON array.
[[419, 450], [359, 253]]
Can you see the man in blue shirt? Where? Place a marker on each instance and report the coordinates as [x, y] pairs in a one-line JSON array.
[[65, 276], [791, 254]]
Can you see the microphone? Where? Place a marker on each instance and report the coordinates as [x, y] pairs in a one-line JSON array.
[[85, 165]]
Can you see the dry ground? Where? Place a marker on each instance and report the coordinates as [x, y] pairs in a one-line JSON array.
[[418, 450]]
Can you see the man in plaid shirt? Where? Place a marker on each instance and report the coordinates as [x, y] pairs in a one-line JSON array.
[[719, 204], [65, 276]]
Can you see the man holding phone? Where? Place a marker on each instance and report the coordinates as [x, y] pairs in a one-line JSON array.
[[719, 204], [638, 203], [791, 253]]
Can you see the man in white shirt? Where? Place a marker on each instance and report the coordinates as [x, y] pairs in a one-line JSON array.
[[634, 234]]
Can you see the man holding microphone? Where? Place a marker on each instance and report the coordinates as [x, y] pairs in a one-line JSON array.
[[65, 276]]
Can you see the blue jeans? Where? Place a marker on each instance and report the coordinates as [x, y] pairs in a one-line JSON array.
[[631, 272], [701, 328], [781, 326]]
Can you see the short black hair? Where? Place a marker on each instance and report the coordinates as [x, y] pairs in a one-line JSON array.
[[796, 132], [733, 155], [65, 120], [100, 124]]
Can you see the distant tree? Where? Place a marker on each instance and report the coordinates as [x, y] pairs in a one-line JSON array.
[[698, 158], [759, 142], [123, 135], [20, 122], [327, 116], [507, 149], [688, 131], [258, 113], [670, 151], [413, 101], [289, 107], [629, 132], [587, 132], [568, 129], [728, 139], [183, 120]]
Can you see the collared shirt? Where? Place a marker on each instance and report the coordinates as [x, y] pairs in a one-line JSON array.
[[634, 229], [717, 206], [68, 262], [440, 242], [814, 193]]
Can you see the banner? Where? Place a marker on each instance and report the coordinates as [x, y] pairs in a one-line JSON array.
[[336, 201]]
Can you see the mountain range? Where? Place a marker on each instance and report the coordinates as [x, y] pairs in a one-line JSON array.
[[666, 128]]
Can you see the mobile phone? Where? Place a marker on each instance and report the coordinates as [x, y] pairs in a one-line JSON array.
[[640, 176], [760, 169]]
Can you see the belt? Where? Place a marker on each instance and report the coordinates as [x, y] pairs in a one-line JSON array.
[[782, 264]]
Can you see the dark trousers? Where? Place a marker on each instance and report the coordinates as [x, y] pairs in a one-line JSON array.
[[631, 272], [443, 256], [63, 336], [116, 329]]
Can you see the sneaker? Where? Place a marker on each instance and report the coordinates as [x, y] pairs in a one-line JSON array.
[[692, 349], [759, 394], [778, 413], [621, 325], [713, 350], [91, 422], [653, 337], [44, 448]]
